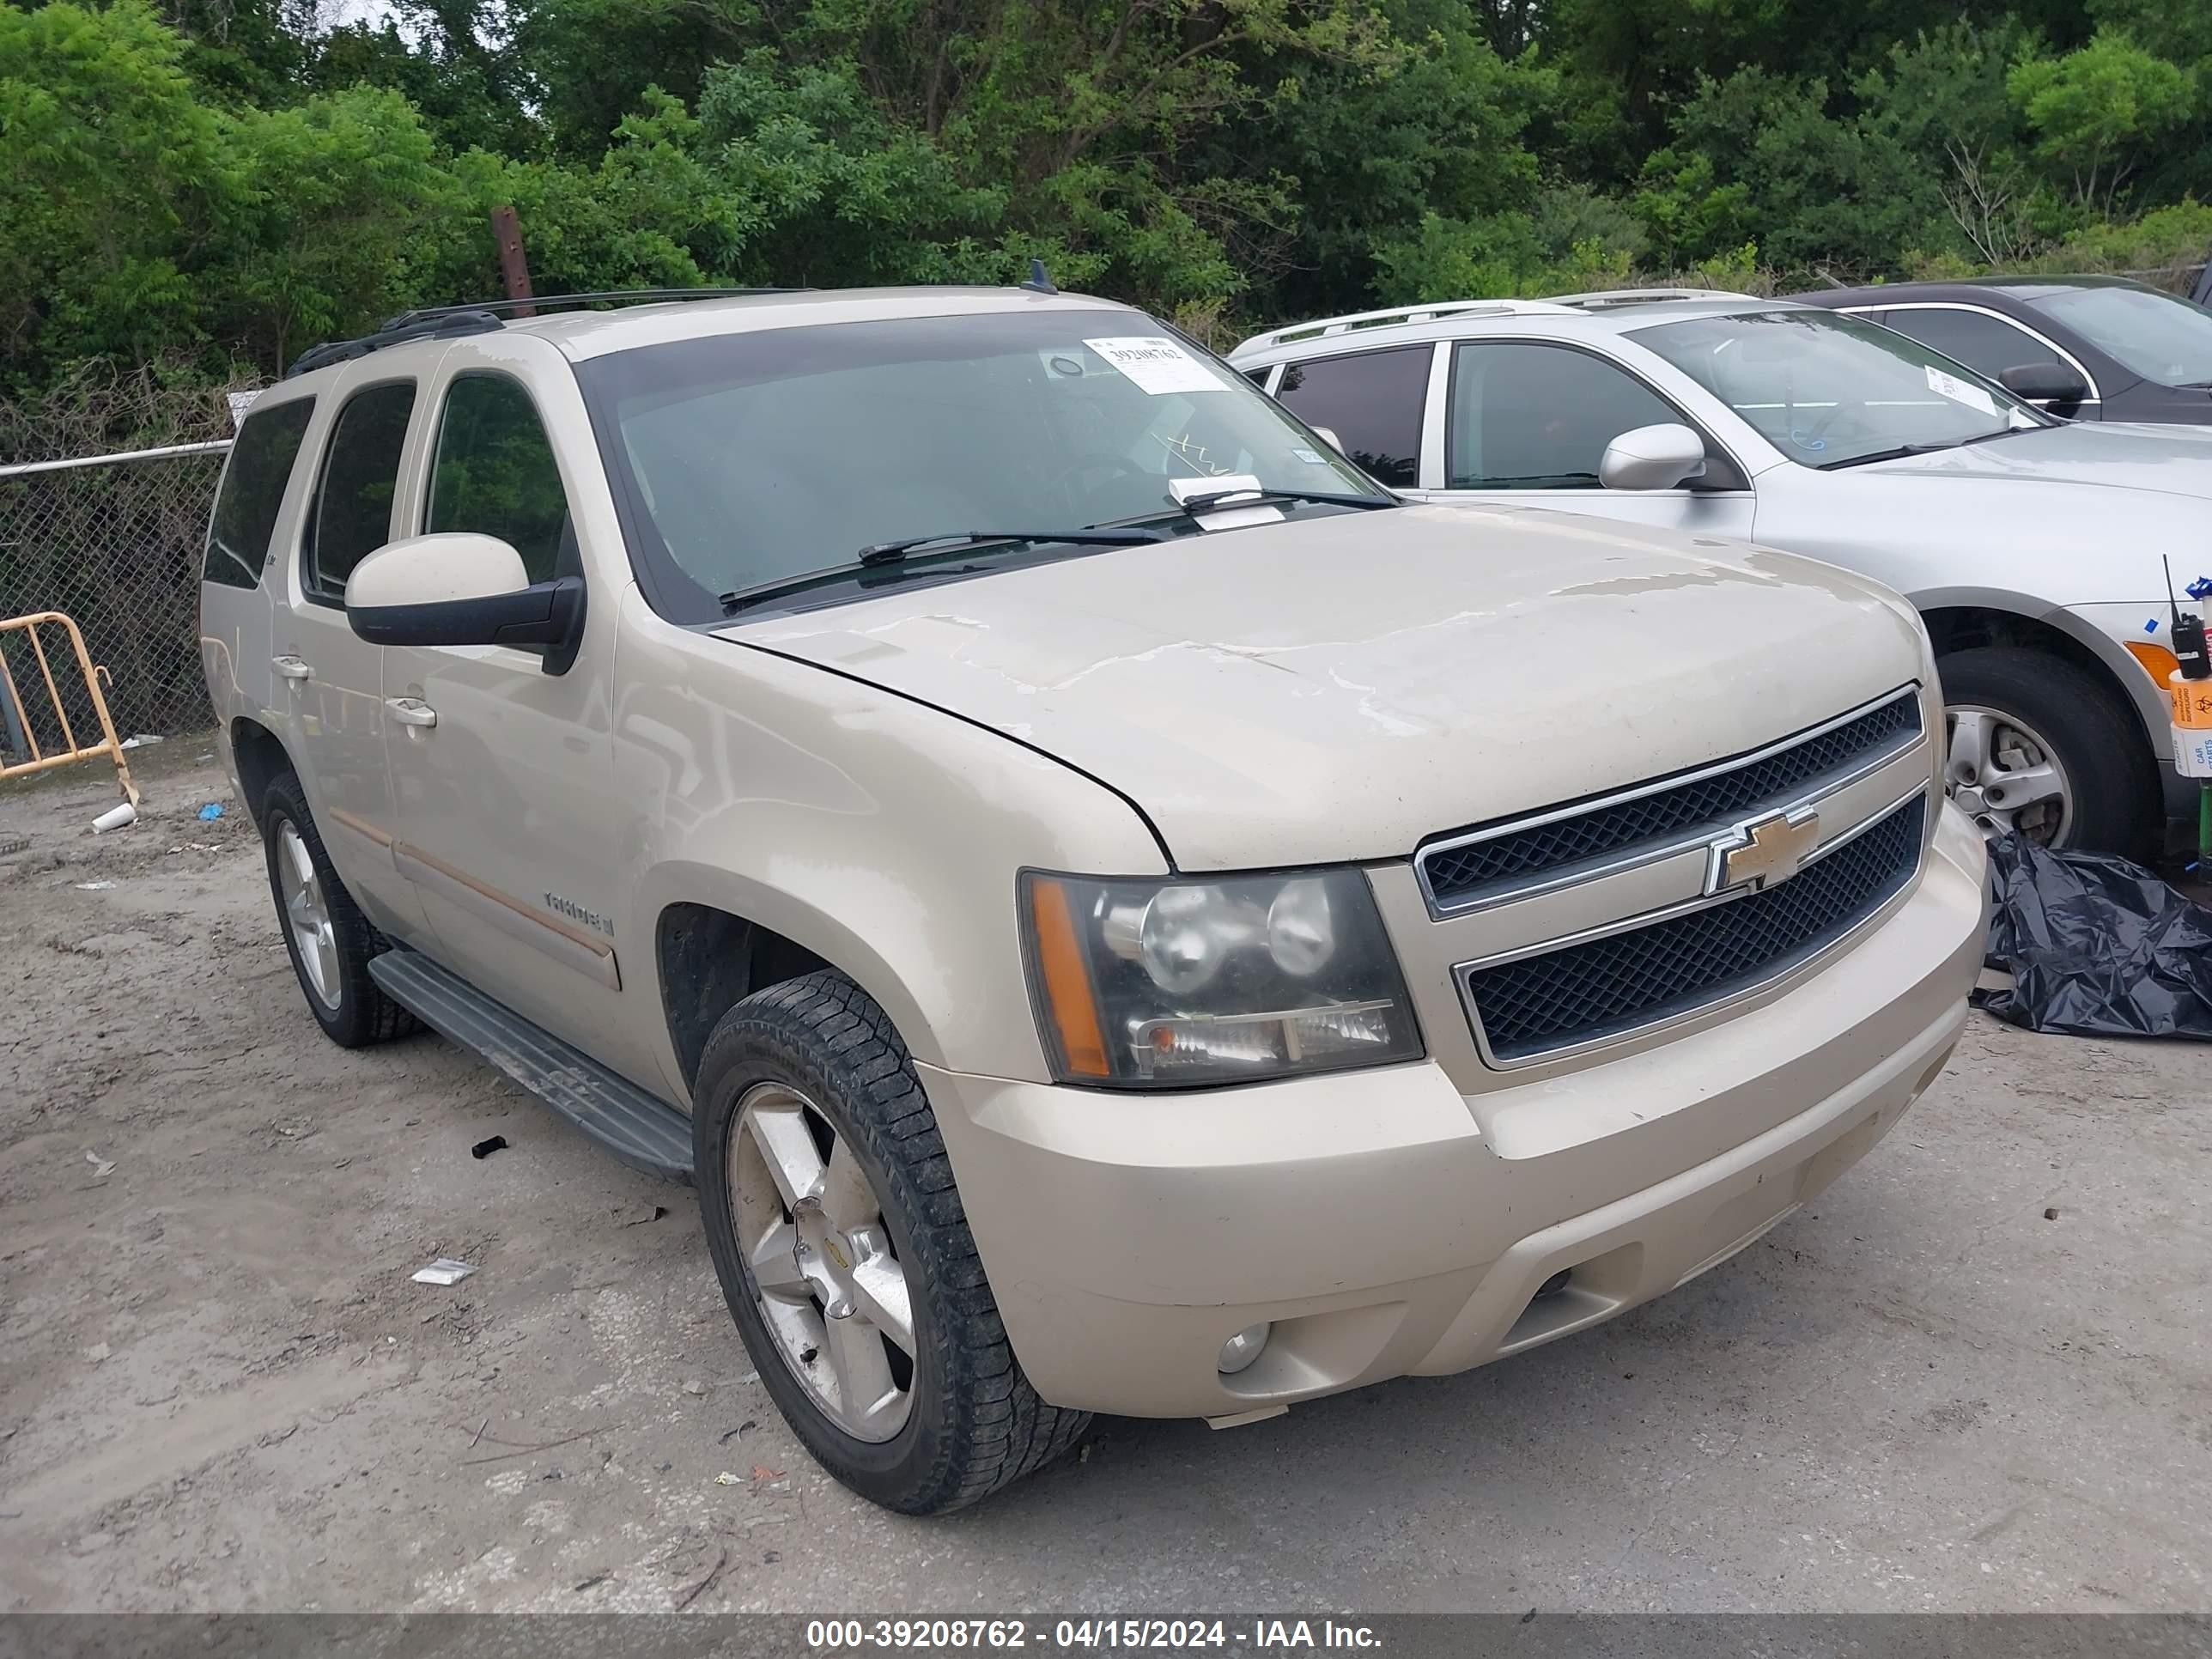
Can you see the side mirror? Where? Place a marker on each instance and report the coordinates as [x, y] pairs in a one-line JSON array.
[[2044, 383], [1327, 435], [1652, 458], [463, 590]]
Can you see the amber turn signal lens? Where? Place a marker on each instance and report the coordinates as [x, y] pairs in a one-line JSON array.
[[1066, 980], [2161, 662]]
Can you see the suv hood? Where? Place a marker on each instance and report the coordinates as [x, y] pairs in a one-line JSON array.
[[1340, 688], [2174, 460]]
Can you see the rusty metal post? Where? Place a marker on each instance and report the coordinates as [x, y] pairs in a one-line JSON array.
[[514, 264]]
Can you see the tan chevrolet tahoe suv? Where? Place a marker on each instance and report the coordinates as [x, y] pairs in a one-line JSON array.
[[1113, 911]]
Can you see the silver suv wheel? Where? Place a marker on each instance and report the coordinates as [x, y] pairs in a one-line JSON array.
[[2005, 775], [308, 914], [826, 1280]]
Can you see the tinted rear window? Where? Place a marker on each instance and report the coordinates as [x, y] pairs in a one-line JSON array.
[[1371, 401], [253, 489]]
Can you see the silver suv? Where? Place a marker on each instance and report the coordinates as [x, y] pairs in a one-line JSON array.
[[1113, 912], [2032, 545]]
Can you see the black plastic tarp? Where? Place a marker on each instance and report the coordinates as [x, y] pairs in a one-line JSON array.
[[2097, 946]]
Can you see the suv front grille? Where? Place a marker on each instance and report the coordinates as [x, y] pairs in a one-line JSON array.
[[1607, 987], [1484, 864]]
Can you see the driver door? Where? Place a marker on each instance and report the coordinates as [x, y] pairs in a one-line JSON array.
[[1527, 422]]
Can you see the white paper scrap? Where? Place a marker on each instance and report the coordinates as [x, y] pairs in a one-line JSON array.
[[1960, 391], [1157, 364]]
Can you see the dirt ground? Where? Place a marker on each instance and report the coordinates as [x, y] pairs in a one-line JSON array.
[[220, 1390]]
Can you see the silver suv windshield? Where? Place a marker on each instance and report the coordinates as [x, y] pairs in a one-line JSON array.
[[751, 458], [2160, 337], [1831, 392]]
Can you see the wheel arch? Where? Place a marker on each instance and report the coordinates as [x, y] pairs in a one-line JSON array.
[[718, 937], [1959, 619], [259, 757]]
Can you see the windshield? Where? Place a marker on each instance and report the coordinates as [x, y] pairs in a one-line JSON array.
[[1827, 390], [756, 457], [2158, 335]]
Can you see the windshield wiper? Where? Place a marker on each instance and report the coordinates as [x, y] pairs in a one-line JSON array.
[[1897, 454], [1206, 501], [1903, 451], [886, 554], [892, 552]]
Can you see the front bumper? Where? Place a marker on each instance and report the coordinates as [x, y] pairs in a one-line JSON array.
[[1384, 1229]]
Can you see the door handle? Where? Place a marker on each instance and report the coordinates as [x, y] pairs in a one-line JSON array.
[[291, 668], [411, 711]]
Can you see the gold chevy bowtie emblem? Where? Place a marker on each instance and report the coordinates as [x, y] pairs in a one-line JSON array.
[[1766, 852]]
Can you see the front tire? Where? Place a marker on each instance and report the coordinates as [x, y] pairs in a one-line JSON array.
[[2036, 746], [844, 1253], [330, 941]]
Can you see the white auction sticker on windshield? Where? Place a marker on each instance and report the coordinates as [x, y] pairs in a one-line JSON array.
[[1156, 364], [1959, 392]]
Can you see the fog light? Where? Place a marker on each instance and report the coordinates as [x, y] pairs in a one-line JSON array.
[[1241, 1349]]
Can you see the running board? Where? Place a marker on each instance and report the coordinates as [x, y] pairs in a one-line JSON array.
[[641, 1129]]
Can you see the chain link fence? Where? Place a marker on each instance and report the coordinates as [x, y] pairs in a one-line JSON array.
[[111, 536]]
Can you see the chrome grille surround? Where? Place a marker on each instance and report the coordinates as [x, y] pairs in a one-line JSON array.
[[1752, 937], [1512, 858]]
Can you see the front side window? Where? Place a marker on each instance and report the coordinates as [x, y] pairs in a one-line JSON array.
[[745, 461], [495, 475], [1829, 390], [352, 515], [2160, 337], [1529, 416], [1372, 401], [1986, 344], [253, 491]]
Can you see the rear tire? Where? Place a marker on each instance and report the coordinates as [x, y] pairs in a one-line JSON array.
[[330, 941], [2014, 712], [818, 1160]]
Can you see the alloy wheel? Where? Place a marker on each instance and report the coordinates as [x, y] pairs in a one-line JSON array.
[[2005, 775], [822, 1270], [308, 914]]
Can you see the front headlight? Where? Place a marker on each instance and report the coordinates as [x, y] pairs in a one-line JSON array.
[[1154, 984]]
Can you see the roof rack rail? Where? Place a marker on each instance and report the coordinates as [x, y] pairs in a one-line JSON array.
[[481, 316], [1599, 298], [602, 296], [1420, 314], [448, 323]]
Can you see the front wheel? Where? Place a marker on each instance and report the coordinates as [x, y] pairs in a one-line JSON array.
[[844, 1253], [2036, 747]]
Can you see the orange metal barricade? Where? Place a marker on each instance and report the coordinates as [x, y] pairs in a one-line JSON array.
[[24, 729]]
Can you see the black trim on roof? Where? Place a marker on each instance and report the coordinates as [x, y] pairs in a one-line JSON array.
[[482, 316]]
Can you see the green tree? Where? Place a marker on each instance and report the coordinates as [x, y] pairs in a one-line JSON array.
[[1688, 212], [112, 174], [2095, 111], [339, 205], [1365, 150], [467, 100]]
